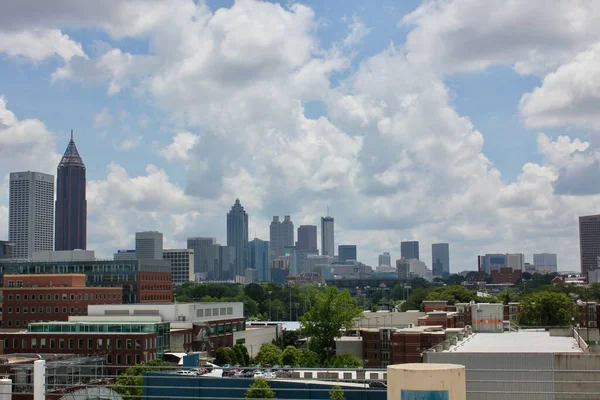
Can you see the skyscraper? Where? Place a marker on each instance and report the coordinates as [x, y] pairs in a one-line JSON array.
[[385, 259], [31, 213], [149, 245], [287, 232], [275, 239], [204, 255], [182, 264], [440, 259], [545, 262], [307, 238], [409, 250], [237, 236], [327, 237], [347, 252], [71, 203], [259, 259], [589, 242]]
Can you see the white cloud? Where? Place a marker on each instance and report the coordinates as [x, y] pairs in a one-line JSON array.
[[357, 30], [103, 119], [179, 149], [39, 44], [129, 143]]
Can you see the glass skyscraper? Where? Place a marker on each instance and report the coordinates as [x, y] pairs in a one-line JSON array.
[[440, 259], [237, 236]]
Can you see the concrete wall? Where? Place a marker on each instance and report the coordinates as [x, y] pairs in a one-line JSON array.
[[487, 317], [576, 376], [424, 381], [182, 312], [387, 319], [349, 345], [64, 255], [253, 338]]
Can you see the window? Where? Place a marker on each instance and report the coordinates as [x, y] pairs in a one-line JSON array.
[[18, 297], [10, 296], [99, 344], [108, 343], [17, 310], [72, 310], [61, 343], [72, 296], [41, 297], [52, 343], [15, 343], [48, 310], [42, 343], [71, 343], [55, 310], [85, 296], [33, 343], [128, 346], [25, 297], [80, 343], [18, 323], [24, 343], [138, 359], [10, 310], [138, 344], [41, 310], [6, 346], [56, 297], [128, 359], [90, 344], [64, 310], [118, 346], [118, 359], [48, 297], [25, 309], [109, 359]]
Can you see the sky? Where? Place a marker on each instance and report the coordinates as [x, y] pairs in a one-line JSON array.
[[461, 121]]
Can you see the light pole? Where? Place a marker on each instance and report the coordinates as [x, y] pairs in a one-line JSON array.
[[270, 291]]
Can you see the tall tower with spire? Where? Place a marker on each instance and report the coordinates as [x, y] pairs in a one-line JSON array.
[[71, 203]]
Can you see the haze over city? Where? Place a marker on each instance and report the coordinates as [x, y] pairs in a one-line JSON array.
[[406, 119]]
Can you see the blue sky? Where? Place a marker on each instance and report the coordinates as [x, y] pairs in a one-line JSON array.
[[209, 97]]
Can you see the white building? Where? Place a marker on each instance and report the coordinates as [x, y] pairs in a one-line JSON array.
[[182, 264], [545, 262], [312, 260], [385, 259], [419, 268], [64, 255], [31, 213], [516, 261]]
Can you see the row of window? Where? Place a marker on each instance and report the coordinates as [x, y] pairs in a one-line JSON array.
[[155, 277], [80, 296], [70, 343], [25, 310], [165, 297], [157, 287]]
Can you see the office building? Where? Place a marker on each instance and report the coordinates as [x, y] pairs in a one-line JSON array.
[[250, 276], [417, 268], [385, 259], [259, 259], [143, 281], [516, 261], [409, 250], [275, 239], [124, 255], [314, 263], [589, 242], [182, 264], [226, 263], [50, 297], [64, 255], [327, 236], [440, 260], [287, 232], [489, 262], [307, 238], [403, 269], [237, 236], [6, 249], [31, 213], [71, 203], [346, 252], [545, 262], [204, 258], [149, 245]]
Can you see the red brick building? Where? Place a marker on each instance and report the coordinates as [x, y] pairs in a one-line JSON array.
[[155, 287], [50, 297], [505, 275]]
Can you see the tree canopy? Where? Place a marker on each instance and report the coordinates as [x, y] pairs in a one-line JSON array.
[[260, 389], [269, 354], [336, 393], [343, 361], [546, 309], [129, 383], [333, 310]]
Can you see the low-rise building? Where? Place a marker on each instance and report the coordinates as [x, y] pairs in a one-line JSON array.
[[50, 297], [506, 275]]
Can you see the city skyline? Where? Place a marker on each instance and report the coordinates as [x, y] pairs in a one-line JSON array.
[[435, 158]]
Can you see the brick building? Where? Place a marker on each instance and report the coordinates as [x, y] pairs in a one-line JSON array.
[[49, 297], [123, 343], [143, 281], [589, 314], [505, 275]]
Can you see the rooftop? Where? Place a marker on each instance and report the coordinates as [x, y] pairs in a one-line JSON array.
[[516, 342]]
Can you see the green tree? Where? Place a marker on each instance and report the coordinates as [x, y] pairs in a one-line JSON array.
[[310, 359], [453, 294], [336, 393], [269, 354], [260, 389], [547, 309], [415, 299], [333, 310], [343, 361], [129, 383], [291, 356], [241, 354]]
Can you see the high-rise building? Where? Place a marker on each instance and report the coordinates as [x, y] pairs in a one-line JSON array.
[[287, 232], [237, 236], [409, 250], [6, 249], [589, 242], [545, 262], [204, 257], [71, 203], [346, 252], [307, 238], [403, 269], [226, 263], [385, 259], [327, 237], [259, 259], [440, 259], [516, 261], [275, 239], [149, 245], [31, 213], [182, 264]]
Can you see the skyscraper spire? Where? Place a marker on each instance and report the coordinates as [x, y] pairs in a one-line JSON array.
[[71, 134]]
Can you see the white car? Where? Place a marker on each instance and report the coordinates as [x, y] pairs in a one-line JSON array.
[[258, 374], [270, 375]]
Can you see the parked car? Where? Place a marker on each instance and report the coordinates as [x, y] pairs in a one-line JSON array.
[[377, 384], [270, 375], [227, 366], [276, 368], [287, 367], [245, 373], [258, 374], [207, 367], [187, 373]]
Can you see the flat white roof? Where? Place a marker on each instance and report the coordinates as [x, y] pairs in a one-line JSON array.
[[516, 342]]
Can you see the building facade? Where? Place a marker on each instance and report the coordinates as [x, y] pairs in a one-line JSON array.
[[589, 242], [237, 236], [347, 252], [149, 245], [275, 239], [409, 250], [258, 258], [71, 203], [384, 259], [182, 264], [31, 213], [143, 281], [6, 249], [545, 262], [440, 259], [327, 237], [287, 232], [506, 275], [31, 298], [403, 269], [307, 238]]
